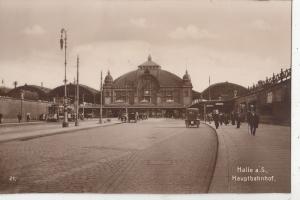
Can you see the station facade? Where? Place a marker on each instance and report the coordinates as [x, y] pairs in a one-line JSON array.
[[148, 89]]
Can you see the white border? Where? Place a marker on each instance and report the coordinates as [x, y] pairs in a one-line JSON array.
[[295, 138]]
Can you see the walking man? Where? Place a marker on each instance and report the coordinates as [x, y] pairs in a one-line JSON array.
[[253, 121], [19, 117], [216, 119], [238, 120], [1, 117]]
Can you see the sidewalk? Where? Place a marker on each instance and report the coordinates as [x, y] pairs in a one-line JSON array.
[[9, 124], [267, 154], [29, 134]]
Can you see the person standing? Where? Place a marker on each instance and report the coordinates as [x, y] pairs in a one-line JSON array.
[[19, 116], [253, 120], [216, 120], [233, 118], [1, 117], [238, 120]]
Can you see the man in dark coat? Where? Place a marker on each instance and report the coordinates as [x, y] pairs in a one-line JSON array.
[[253, 120], [216, 120], [238, 120], [1, 117], [233, 117], [19, 116]]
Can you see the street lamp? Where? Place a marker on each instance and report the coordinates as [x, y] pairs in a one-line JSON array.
[[101, 90], [63, 45], [77, 94], [22, 98]]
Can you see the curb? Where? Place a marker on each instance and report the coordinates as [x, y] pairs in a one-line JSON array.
[[25, 138], [216, 156], [4, 125], [217, 162]]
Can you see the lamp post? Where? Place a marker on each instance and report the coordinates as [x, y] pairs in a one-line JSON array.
[[77, 94], [101, 90], [22, 98], [63, 45]]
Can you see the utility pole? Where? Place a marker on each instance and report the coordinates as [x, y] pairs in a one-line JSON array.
[[100, 118], [83, 103], [209, 97], [77, 94], [63, 45]]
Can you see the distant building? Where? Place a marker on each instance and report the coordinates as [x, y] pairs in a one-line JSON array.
[[4, 90], [29, 92]]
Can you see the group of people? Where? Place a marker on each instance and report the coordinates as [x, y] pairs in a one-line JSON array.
[[225, 118], [28, 117], [235, 119]]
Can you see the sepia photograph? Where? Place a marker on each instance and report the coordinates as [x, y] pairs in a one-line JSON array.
[[145, 96]]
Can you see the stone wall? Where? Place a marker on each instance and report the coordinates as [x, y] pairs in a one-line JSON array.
[[10, 107], [273, 104]]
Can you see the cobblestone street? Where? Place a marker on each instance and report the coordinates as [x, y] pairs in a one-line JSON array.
[[151, 156]]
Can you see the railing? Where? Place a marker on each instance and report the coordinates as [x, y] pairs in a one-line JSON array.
[[269, 82]]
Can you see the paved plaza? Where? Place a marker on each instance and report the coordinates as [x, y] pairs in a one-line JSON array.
[[150, 156], [268, 151]]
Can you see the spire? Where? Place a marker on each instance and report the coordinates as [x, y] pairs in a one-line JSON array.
[[186, 76], [149, 57]]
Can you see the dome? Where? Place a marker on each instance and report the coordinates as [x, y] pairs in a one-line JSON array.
[[108, 78], [186, 76], [164, 78], [149, 64]]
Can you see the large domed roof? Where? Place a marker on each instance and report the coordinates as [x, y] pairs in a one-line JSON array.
[[32, 92], [164, 78], [225, 90]]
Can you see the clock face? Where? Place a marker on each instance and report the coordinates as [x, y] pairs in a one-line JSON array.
[[146, 92]]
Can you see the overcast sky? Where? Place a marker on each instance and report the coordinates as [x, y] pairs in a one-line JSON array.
[[236, 41]]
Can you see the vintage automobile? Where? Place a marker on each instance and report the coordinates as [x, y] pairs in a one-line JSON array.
[[123, 117], [132, 116], [192, 117], [143, 116]]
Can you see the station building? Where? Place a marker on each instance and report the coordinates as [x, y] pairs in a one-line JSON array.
[[149, 89]]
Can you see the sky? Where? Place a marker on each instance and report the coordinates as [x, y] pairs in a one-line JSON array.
[[239, 41]]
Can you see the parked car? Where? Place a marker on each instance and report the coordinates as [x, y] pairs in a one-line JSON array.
[[132, 116], [192, 117]]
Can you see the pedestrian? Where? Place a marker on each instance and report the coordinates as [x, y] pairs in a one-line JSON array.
[[221, 118], [216, 120], [19, 116], [253, 121], [27, 117], [226, 120], [1, 117], [233, 118], [238, 120]]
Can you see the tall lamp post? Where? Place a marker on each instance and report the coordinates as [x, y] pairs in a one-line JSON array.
[[77, 94], [101, 90], [22, 98], [63, 45]]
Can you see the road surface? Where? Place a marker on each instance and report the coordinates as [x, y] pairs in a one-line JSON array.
[[151, 156]]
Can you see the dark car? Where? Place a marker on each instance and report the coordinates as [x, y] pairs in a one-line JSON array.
[[192, 117], [123, 117], [132, 116], [143, 116]]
